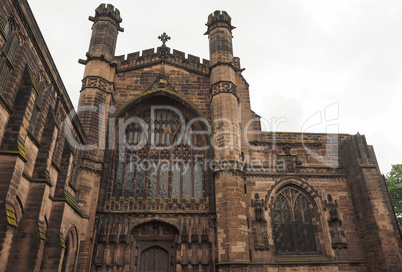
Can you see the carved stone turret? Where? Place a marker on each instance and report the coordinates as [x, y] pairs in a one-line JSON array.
[[220, 38], [219, 18], [229, 181], [104, 32]]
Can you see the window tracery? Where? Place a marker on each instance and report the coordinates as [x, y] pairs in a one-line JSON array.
[[293, 217], [161, 156]]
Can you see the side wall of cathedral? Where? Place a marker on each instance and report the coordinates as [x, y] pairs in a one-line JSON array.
[[41, 221]]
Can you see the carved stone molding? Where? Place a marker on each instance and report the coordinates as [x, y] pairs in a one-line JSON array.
[[97, 82], [224, 87]]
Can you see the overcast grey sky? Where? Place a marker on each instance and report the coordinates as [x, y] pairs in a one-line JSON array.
[[341, 58]]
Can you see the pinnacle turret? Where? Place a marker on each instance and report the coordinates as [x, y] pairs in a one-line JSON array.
[[219, 18], [107, 10]]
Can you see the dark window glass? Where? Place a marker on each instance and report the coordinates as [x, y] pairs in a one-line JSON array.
[[13, 49], [293, 223], [5, 72]]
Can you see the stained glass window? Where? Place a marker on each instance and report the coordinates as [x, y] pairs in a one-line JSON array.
[[176, 180], [165, 154], [164, 181], [293, 223]]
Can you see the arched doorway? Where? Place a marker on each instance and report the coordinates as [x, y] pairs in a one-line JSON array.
[[154, 244], [154, 259]]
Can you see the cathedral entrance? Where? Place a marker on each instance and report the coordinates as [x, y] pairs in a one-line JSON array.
[[154, 259], [155, 246]]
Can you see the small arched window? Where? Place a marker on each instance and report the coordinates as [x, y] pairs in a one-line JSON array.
[[161, 156], [293, 222]]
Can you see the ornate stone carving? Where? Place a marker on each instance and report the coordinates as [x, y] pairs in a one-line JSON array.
[[223, 87], [335, 225], [97, 82], [164, 38], [289, 161], [260, 231]]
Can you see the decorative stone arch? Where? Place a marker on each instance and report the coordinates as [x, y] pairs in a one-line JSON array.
[[154, 237], [174, 115], [71, 246], [154, 93], [317, 207], [297, 181]]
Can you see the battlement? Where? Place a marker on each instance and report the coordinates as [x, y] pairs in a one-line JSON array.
[[220, 18], [150, 56], [107, 10]]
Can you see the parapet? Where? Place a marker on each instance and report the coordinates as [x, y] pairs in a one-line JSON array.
[[151, 56], [219, 18], [107, 10]]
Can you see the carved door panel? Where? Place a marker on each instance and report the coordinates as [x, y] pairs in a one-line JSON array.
[[154, 259], [155, 247]]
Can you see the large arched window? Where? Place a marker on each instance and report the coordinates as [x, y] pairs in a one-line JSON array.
[[161, 155], [293, 214]]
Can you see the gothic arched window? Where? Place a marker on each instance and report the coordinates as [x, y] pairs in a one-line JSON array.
[[293, 216], [161, 156]]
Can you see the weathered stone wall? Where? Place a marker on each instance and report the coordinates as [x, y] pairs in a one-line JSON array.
[[33, 108]]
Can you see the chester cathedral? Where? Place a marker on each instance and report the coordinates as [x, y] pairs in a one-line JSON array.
[[163, 166]]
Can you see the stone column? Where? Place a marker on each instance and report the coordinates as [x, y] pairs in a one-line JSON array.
[[229, 181], [93, 112]]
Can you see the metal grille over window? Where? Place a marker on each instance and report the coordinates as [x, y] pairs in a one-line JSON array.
[[161, 162], [293, 223]]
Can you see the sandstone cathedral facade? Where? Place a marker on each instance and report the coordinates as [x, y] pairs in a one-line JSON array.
[[164, 167]]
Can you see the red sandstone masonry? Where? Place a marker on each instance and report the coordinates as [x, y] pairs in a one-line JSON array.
[[221, 236]]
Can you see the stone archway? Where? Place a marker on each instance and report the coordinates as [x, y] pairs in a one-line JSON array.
[[155, 247]]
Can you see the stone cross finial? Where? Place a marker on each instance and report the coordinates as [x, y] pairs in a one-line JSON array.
[[164, 38]]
